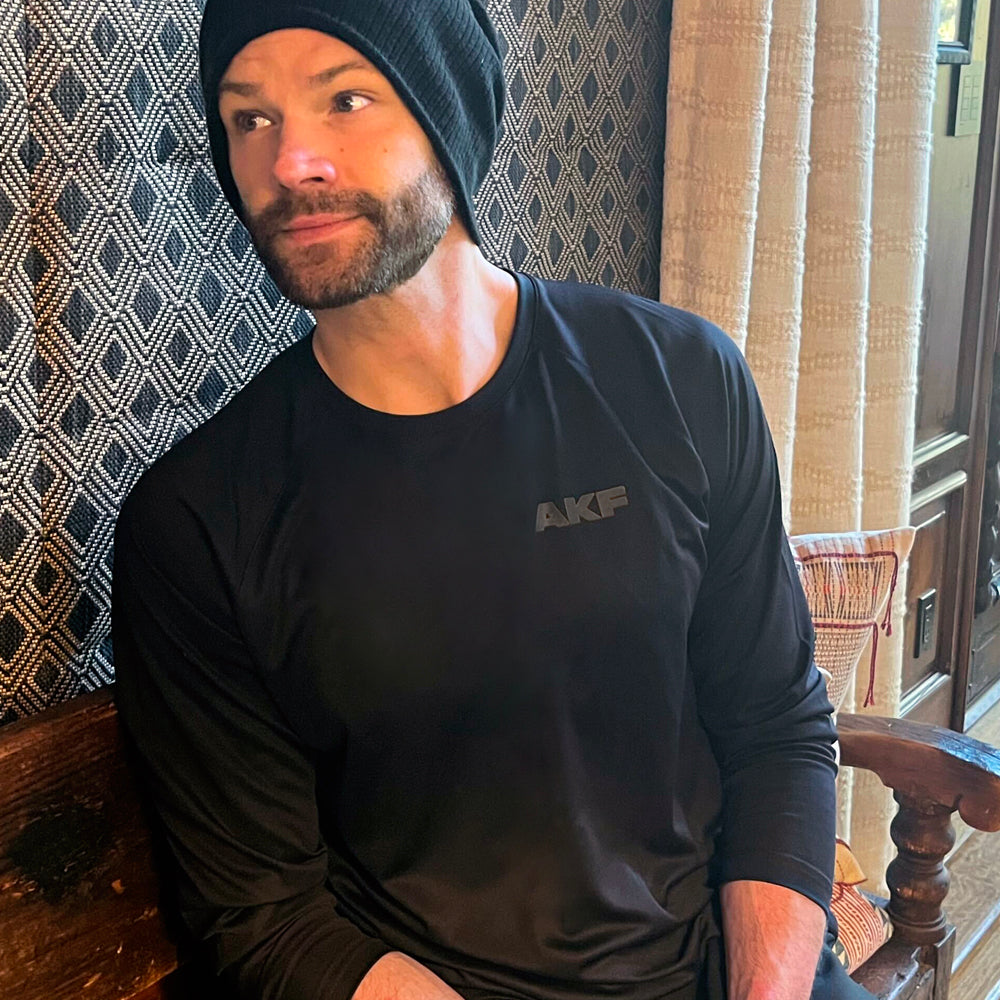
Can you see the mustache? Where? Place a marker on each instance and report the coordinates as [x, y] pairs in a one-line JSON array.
[[290, 205]]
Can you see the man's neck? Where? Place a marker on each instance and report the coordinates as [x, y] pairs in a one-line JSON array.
[[429, 344]]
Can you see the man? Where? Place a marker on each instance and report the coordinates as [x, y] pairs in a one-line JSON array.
[[463, 648]]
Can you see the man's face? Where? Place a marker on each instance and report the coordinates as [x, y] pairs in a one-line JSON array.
[[341, 190]]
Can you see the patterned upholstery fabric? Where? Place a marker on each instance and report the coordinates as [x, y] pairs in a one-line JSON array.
[[849, 579], [132, 306], [863, 927]]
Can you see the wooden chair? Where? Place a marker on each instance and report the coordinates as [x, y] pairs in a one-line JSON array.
[[81, 907]]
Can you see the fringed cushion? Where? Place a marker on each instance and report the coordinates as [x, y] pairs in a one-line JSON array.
[[848, 580], [863, 926]]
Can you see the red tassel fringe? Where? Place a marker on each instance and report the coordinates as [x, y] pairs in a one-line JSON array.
[[886, 627]]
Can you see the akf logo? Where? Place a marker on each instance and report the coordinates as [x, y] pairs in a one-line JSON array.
[[550, 515]]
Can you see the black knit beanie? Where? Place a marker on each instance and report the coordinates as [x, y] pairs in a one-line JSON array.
[[442, 56]]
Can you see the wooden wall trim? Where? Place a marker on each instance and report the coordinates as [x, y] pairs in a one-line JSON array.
[[939, 489], [979, 335], [940, 457]]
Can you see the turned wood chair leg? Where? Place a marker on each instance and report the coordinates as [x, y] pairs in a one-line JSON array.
[[917, 878], [918, 883]]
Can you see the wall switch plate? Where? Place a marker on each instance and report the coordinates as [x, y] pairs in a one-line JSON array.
[[926, 629], [968, 99]]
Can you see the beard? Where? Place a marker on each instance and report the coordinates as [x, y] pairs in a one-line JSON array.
[[403, 232]]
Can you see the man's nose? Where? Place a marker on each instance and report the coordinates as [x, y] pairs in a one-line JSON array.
[[299, 161]]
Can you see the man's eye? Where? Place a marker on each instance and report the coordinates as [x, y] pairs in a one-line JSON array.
[[250, 121], [348, 102]]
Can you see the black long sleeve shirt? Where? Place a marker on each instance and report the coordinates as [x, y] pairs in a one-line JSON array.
[[507, 687]]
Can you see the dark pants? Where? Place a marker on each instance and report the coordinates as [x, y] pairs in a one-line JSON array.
[[832, 981]]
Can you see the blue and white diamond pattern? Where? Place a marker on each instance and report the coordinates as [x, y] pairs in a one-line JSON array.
[[576, 189], [132, 305]]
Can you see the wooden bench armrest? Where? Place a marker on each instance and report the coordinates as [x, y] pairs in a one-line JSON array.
[[932, 772], [79, 891], [79, 894], [927, 763]]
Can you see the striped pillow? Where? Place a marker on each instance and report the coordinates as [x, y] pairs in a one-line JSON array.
[[863, 926], [849, 579]]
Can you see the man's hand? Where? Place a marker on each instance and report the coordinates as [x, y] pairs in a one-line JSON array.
[[773, 938], [398, 977]]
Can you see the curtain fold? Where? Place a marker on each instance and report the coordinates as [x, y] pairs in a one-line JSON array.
[[826, 182], [716, 99], [774, 329], [826, 471], [906, 83]]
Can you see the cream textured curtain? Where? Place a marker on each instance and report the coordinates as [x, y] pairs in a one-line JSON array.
[[795, 198]]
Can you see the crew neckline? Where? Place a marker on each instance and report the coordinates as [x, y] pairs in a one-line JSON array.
[[487, 395]]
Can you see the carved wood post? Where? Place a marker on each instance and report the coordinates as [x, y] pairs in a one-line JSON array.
[[917, 878]]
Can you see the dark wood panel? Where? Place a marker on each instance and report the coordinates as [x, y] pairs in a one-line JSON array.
[[930, 702], [926, 573], [978, 347], [935, 564], [984, 666], [949, 224], [954, 347], [988, 555]]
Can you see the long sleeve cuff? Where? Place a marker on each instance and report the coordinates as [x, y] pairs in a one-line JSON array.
[[779, 825], [315, 955]]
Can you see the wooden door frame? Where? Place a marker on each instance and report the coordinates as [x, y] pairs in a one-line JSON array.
[[978, 345]]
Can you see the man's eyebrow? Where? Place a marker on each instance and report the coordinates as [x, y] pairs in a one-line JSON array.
[[320, 79], [328, 75], [234, 87]]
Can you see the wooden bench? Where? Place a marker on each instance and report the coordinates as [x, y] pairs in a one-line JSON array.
[[82, 910]]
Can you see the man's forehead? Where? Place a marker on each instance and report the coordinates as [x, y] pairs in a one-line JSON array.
[[319, 56]]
